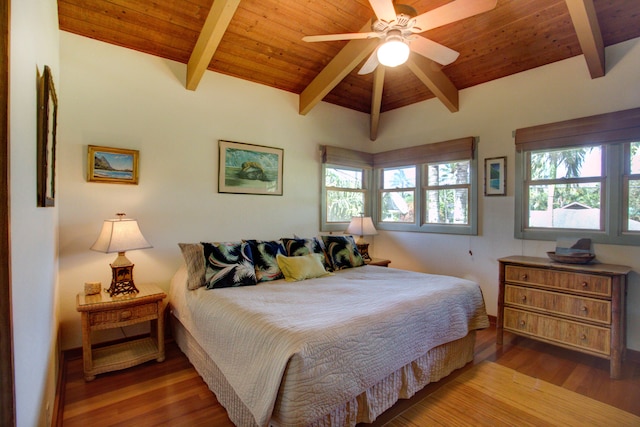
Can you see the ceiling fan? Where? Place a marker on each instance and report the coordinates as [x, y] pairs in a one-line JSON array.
[[398, 25]]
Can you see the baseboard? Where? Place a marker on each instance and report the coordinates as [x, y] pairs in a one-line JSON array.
[[633, 356], [58, 403]]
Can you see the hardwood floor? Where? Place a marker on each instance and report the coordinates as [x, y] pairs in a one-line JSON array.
[[172, 393]]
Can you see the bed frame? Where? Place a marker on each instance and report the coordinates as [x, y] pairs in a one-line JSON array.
[[437, 363]]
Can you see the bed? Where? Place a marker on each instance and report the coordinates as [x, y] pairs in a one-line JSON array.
[[334, 350]]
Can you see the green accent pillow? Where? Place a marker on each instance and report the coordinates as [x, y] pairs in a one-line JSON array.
[[301, 267], [342, 252]]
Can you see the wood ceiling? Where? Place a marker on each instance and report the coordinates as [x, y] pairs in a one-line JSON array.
[[261, 41]]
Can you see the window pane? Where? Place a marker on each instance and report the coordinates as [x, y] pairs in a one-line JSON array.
[[343, 178], [634, 161], [398, 206], [447, 206], [568, 163], [448, 173], [399, 178], [343, 205], [565, 206], [633, 222]]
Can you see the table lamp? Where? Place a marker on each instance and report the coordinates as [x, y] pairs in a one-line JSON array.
[[362, 226], [120, 235]]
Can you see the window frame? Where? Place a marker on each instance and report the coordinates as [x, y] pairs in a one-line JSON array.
[[613, 132], [325, 225]]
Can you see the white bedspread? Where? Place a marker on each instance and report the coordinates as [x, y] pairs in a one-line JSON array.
[[334, 336]]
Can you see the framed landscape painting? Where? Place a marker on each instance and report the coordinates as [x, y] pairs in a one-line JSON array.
[[495, 172], [114, 165], [250, 169]]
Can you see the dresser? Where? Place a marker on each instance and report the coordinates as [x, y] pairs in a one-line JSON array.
[[579, 307]]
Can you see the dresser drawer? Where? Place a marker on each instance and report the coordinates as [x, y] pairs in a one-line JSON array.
[[122, 316], [593, 339], [556, 303], [588, 284]]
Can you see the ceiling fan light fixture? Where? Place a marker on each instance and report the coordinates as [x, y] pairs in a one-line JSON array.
[[393, 52]]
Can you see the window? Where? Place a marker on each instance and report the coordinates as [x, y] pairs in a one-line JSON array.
[[580, 178], [346, 176], [345, 194], [398, 195], [447, 191], [429, 188]]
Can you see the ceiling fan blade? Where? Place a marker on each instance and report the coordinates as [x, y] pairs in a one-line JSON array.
[[451, 12], [346, 36], [384, 10], [434, 51], [370, 64]]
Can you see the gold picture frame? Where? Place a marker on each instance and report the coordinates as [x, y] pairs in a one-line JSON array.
[[47, 128], [112, 165]]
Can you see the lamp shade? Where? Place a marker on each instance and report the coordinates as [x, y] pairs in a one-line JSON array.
[[120, 235], [361, 226], [393, 52]]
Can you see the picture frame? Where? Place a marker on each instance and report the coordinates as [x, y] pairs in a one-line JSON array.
[[46, 137], [495, 176], [250, 169], [112, 165]]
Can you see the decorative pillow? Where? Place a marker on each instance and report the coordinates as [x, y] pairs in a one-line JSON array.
[[342, 252], [264, 259], [193, 254], [228, 264], [296, 268], [301, 246]]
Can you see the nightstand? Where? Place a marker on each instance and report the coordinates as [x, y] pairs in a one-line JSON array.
[[379, 261], [101, 311]]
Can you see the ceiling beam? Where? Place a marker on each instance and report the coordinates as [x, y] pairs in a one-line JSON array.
[[430, 73], [376, 101], [214, 28], [585, 21], [337, 69]]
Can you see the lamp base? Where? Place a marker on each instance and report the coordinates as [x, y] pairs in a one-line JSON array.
[[363, 248], [122, 281]]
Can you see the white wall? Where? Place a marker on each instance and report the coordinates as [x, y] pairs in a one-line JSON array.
[[492, 111], [120, 98], [34, 263]]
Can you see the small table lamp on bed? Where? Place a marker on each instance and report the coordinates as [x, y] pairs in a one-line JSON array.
[[362, 226], [120, 235]]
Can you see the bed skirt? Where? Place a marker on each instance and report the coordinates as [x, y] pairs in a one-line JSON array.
[[437, 363]]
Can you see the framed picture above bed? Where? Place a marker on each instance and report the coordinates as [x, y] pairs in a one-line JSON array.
[[112, 165], [250, 169]]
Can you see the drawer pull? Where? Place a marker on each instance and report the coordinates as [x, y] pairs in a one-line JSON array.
[[522, 323], [583, 308], [585, 284], [125, 315], [524, 298], [583, 337], [524, 277]]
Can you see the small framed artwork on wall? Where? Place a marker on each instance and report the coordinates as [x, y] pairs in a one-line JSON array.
[[250, 169], [47, 125], [112, 165], [495, 176]]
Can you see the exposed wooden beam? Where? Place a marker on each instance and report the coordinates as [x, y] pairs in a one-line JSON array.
[[214, 27], [430, 73], [336, 70], [376, 100], [585, 21]]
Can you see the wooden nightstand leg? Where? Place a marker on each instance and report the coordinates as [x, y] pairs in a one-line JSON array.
[[160, 332], [87, 357]]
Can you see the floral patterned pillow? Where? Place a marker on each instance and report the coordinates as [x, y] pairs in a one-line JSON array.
[[264, 259], [302, 246], [342, 252], [228, 264]]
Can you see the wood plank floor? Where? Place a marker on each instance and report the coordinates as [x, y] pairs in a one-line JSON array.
[[172, 393]]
